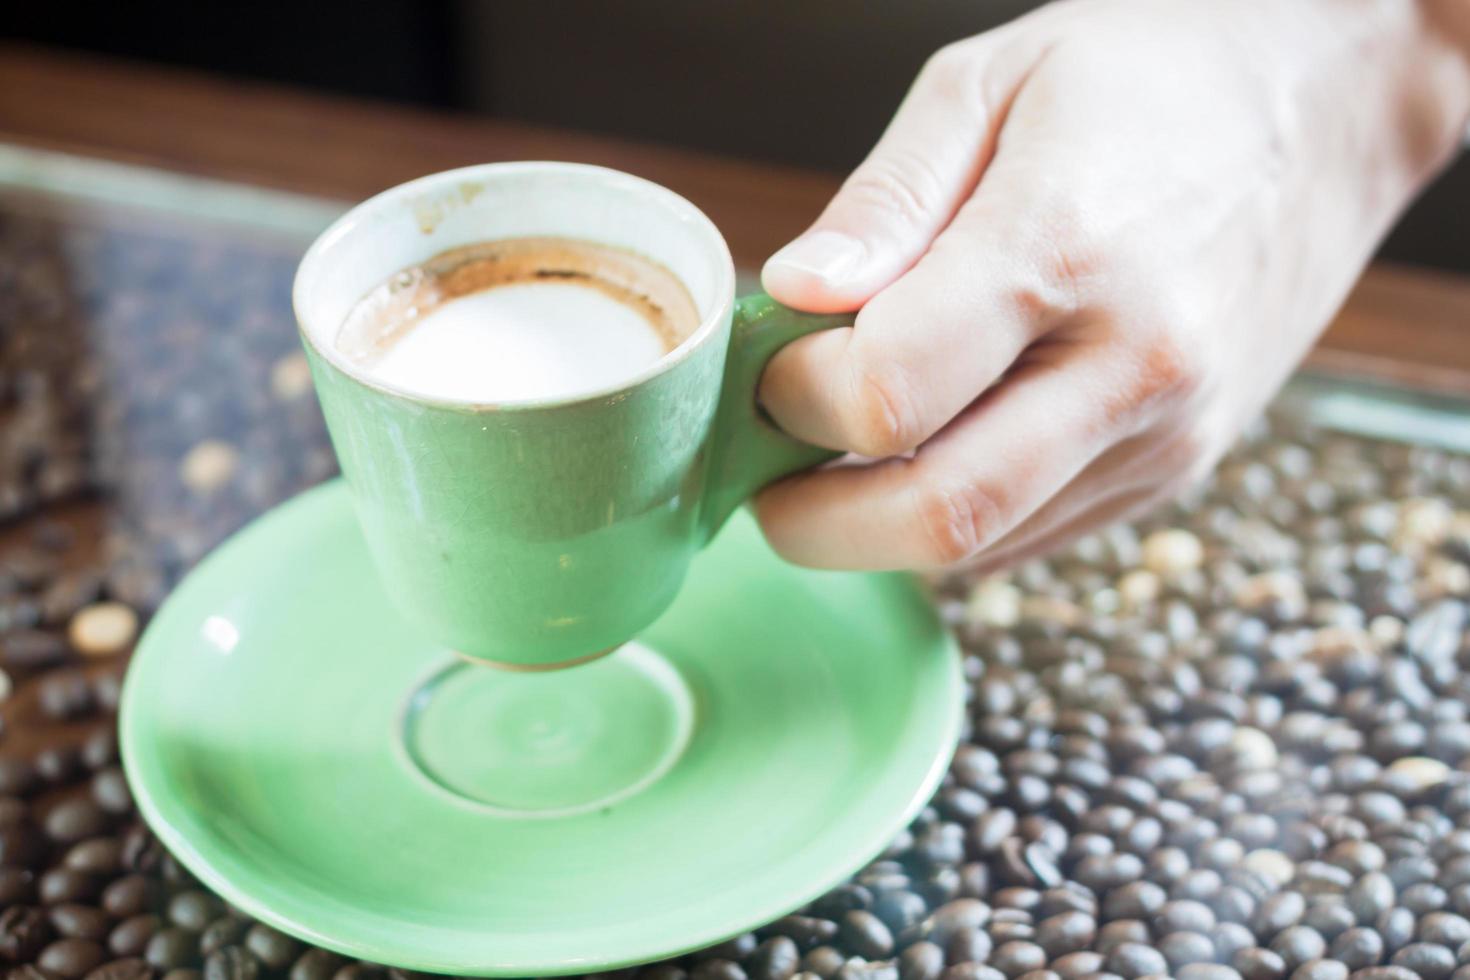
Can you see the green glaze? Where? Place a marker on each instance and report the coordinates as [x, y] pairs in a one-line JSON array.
[[540, 533], [262, 728]]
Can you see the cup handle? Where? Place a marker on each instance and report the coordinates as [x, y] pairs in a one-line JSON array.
[[747, 450]]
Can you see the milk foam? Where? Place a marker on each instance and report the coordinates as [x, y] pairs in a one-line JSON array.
[[518, 319], [520, 341]]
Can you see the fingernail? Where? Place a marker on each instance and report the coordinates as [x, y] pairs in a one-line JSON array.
[[829, 256]]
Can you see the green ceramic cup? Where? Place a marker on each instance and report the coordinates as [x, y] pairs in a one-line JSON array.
[[542, 533]]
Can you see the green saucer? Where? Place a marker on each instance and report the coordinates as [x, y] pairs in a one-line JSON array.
[[328, 771]]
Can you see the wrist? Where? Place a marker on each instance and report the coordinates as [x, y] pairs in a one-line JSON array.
[[1401, 70], [1448, 21], [1436, 97]]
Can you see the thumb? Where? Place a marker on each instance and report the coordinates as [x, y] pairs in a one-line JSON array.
[[925, 166]]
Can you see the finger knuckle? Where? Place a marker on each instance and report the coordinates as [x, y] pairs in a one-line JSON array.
[[882, 417], [898, 185], [1062, 260], [1170, 368], [956, 521], [1158, 372], [954, 72]]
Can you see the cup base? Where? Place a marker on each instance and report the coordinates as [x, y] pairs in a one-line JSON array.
[[535, 668], [535, 744]]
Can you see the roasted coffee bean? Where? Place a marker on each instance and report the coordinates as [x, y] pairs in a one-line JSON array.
[[24, 930], [96, 855], [1135, 900], [67, 885], [1357, 948], [1229, 938], [171, 948], [1183, 948], [1184, 916], [1278, 912], [1023, 899], [971, 971], [952, 917], [1102, 872], [1018, 957], [1396, 926], [1069, 897], [1066, 932], [940, 885], [1001, 932], [1207, 971], [921, 961], [865, 934], [141, 850], [130, 936], [194, 910], [824, 961], [131, 968], [315, 964], [991, 829], [76, 921], [74, 820], [1445, 929], [1256, 963], [1118, 932], [843, 898], [227, 930], [1320, 970], [1423, 898], [231, 963], [975, 945], [1076, 965], [1331, 920], [276, 950], [361, 971], [1430, 961], [806, 931], [1298, 944], [71, 958], [1131, 960], [899, 910], [130, 895], [735, 948]]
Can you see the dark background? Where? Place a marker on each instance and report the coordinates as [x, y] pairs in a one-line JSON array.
[[808, 83]]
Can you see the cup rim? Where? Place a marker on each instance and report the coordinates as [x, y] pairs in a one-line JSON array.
[[347, 223]]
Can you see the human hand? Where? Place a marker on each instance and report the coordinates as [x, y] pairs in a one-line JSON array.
[[1087, 250]]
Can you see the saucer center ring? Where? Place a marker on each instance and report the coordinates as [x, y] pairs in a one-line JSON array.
[[548, 744]]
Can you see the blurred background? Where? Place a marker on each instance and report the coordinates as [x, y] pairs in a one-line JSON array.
[[809, 84]]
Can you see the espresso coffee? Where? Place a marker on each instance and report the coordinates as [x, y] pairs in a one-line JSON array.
[[521, 318]]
